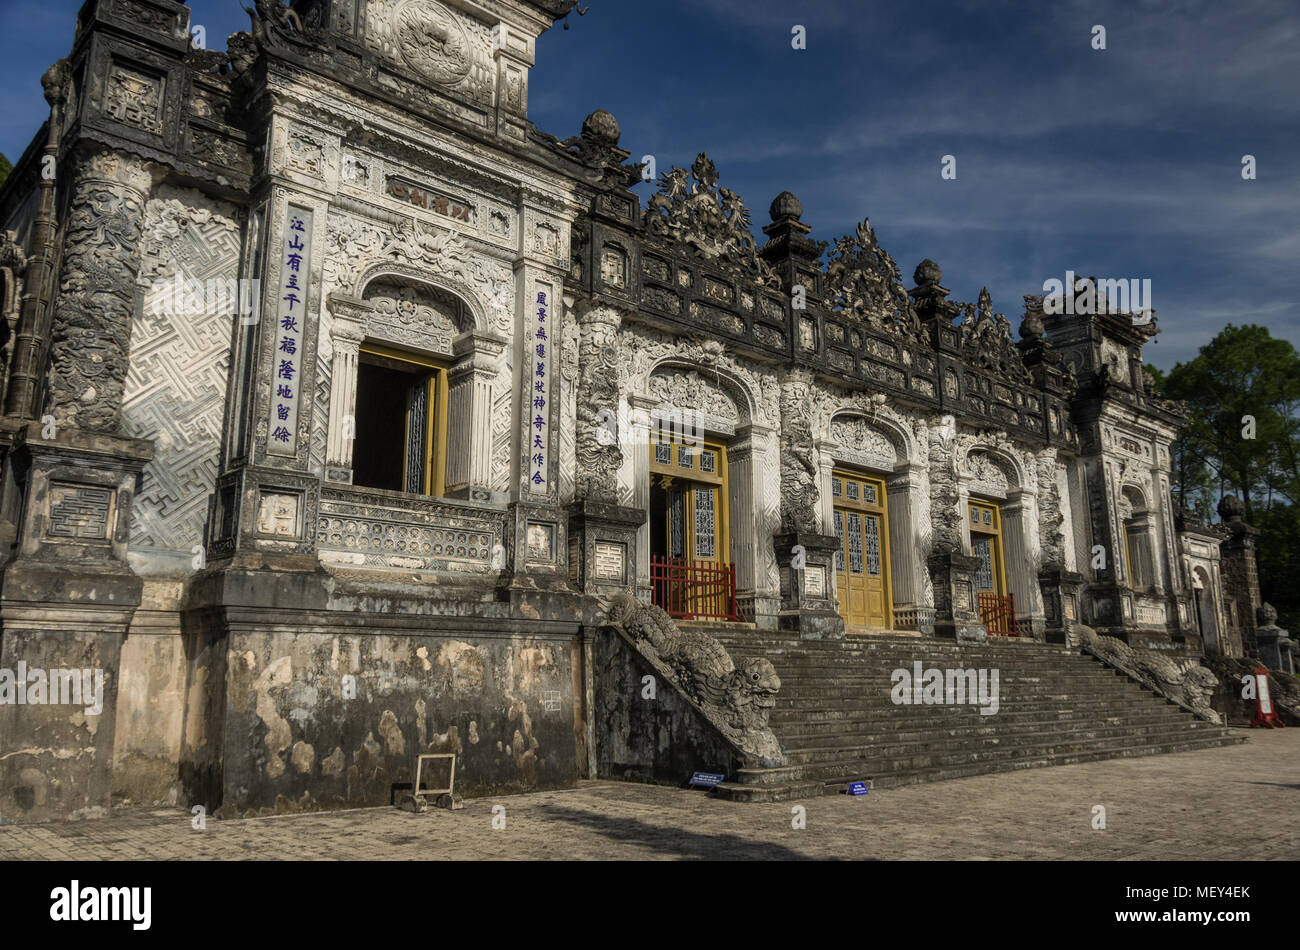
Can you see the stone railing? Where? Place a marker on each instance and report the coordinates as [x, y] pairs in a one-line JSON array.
[[371, 528], [914, 618]]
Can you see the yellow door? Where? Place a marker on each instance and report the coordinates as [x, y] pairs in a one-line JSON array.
[[996, 607], [861, 564], [986, 544], [694, 481]]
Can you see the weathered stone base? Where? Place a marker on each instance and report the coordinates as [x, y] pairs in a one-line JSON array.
[[55, 756], [301, 719], [644, 737], [807, 604]]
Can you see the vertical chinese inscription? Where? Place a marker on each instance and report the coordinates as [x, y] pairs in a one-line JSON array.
[[537, 343], [287, 334]]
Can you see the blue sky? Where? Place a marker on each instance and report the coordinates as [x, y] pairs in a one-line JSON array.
[[1124, 163]]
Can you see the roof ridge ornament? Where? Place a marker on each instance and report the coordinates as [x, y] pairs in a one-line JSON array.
[[691, 209], [986, 340], [863, 280]]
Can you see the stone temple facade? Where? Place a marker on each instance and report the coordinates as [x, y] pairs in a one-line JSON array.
[[340, 402]]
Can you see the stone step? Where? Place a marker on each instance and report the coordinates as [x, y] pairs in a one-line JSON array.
[[889, 769], [837, 723], [803, 696], [886, 678], [921, 726], [1004, 737], [835, 782]]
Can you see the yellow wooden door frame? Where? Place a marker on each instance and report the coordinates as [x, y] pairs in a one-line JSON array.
[[684, 469], [434, 479], [991, 529], [878, 509]]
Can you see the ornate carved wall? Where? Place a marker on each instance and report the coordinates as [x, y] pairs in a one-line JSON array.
[[175, 388]]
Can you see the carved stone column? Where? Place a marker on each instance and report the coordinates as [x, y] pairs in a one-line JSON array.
[[903, 495], [67, 597], [1022, 573], [347, 331], [825, 465], [469, 415], [752, 502], [952, 572], [97, 289], [640, 409], [597, 446], [609, 541]]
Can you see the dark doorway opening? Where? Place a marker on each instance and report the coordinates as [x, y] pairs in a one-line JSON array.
[[379, 451]]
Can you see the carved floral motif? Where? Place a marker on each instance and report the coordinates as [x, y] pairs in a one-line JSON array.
[[864, 281], [691, 209]]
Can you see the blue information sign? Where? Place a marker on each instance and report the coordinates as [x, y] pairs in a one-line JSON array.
[[857, 788], [706, 779]]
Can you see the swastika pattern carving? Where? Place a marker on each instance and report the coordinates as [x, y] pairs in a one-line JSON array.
[[176, 384], [79, 511]]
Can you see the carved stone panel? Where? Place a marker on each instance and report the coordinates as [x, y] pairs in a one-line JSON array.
[[180, 350]]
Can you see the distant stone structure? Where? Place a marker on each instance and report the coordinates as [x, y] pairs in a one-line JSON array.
[[1277, 650], [340, 401]]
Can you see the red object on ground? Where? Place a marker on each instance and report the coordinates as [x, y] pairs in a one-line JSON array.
[[1265, 713]]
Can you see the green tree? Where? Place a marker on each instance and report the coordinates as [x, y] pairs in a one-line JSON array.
[[5, 169], [1278, 558], [1243, 374]]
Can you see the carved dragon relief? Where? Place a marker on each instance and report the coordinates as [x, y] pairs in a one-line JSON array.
[[599, 455], [736, 698], [1185, 682], [799, 471]]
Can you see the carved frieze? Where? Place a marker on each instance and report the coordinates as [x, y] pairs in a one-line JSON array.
[[92, 318], [412, 316], [356, 247], [861, 444], [134, 97], [439, 45], [688, 391]]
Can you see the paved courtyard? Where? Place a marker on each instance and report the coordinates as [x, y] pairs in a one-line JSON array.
[[1230, 803]]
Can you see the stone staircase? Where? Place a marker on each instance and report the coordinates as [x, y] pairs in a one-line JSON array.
[[837, 723]]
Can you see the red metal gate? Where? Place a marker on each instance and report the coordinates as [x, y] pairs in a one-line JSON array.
[[999, 614], [695, 590]]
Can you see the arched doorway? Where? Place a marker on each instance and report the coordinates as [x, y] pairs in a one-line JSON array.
[[697, 479], [411, 390]]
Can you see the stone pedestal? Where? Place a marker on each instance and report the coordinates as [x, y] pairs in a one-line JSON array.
[[537, 553], [1276, 649], [66, 602], [808, 607], [602, 547], [955, 611], [1061, 590], [1239, 572]]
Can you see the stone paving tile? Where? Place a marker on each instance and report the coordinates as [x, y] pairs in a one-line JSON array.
[[1218, 804]]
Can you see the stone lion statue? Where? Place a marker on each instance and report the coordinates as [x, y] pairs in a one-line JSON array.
[[738, 699]]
